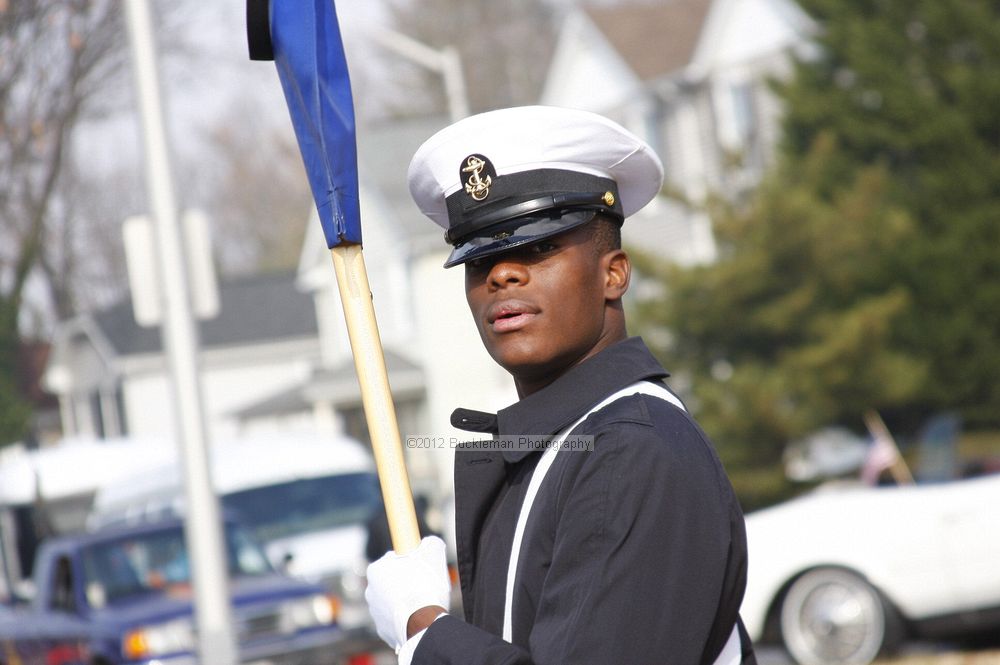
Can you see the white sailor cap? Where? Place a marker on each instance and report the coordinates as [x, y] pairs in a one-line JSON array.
[[505, 178]]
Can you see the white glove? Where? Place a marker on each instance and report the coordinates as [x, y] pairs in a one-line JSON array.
[[401, 584]]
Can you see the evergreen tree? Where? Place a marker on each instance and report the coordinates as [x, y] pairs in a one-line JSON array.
[[912, 86], [796, 326], [865, 271], [14, 409]]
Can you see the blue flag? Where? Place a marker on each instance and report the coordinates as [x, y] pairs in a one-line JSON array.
[[304, 41]]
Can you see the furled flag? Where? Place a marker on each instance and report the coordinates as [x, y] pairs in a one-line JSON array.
[[883, 454], [303, 38]]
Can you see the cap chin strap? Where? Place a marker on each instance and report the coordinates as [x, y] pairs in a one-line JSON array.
[[558, 204]]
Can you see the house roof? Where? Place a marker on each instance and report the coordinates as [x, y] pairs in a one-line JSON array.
[[338, 385], [252, 309], [655, 38]]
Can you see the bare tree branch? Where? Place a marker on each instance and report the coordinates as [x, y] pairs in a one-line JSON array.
[[63, 58], [59, 60]]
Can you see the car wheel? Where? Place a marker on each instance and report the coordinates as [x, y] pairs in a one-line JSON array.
[[831, 616]]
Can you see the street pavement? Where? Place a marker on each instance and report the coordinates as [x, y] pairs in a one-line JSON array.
[[916, 653]]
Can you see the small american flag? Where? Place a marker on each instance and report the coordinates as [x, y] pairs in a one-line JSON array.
[[883, 454]]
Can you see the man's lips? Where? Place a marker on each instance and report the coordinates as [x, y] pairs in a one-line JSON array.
[[509, 315]]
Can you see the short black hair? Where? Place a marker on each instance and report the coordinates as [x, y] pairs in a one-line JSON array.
[[607, 234]]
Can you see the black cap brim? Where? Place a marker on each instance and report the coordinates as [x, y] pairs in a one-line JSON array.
[[517, 232]]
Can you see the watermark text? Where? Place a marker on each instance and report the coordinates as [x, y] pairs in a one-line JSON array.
[[519, 443]]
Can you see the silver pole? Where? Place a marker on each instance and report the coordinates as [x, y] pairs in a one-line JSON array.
[[216, 643], [445, 62], [454, 83]]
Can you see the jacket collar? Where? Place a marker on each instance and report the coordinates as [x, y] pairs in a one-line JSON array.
[[557, 405]]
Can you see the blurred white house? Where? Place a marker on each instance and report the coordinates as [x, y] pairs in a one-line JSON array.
[[691, 77], [277, 356], [688, 75]]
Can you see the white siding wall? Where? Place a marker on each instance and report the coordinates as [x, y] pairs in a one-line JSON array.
[[751, 29], [586, 73], [230, 380], [385, 263], [687, 149], [334, 342], [148, 405]]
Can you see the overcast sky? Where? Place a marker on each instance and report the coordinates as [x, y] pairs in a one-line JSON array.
[[204, 83]]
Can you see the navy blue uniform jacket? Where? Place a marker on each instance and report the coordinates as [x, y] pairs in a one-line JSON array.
[[633, 553]]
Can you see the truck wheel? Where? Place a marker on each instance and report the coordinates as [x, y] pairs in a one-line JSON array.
[[831, 616]]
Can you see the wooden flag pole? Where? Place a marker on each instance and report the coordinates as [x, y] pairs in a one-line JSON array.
[[369, 361]]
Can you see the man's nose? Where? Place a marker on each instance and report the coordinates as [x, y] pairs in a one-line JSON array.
[[507, 271]]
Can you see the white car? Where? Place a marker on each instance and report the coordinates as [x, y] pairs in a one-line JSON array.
[[847, 572]]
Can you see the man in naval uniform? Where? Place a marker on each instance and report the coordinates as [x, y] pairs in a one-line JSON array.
[[627, 546]]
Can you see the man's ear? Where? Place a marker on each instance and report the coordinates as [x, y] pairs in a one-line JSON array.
[[617, 272]]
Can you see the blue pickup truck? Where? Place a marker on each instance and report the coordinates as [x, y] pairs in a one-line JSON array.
[[124, 595]]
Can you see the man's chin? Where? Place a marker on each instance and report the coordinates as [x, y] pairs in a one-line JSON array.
[[528, 369], [515, 351]]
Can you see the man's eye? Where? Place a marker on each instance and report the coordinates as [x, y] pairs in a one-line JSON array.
[[476, 264], [543, 247]]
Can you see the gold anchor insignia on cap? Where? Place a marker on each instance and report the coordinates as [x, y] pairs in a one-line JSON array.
[[477, 187], [608, 198]]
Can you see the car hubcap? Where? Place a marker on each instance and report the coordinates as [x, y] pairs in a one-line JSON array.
[[836, 619]]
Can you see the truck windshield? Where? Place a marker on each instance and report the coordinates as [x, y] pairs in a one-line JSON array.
[[157, 561], [305, 505]]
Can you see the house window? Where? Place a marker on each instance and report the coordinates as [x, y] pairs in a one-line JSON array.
[[106, 413], [96, 413], [120, 408], [356, 427], [744, 112]]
